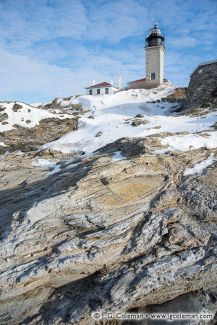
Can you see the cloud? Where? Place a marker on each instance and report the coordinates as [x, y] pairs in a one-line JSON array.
[[25, 78], [183, 41], [52, 48]]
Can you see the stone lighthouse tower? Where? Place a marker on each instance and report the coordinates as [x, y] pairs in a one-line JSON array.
[[154, 57]]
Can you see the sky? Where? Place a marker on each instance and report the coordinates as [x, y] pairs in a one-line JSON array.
[[55, 48]]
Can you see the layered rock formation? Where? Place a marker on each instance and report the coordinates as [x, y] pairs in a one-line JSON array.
[[24, 127], [102, 235], [129, 227], [27, 139]]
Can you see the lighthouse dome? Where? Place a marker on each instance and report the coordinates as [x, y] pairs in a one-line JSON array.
[[154, 38]]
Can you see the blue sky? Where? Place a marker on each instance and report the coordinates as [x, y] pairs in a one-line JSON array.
[[54, 48]]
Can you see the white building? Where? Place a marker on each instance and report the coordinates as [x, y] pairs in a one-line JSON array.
[[102, 88]]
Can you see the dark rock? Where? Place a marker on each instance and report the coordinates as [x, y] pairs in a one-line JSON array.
[[3, 117], [104, 180], [138, 122], [202, 89], [98, 134], [139, 115], [16, 107]]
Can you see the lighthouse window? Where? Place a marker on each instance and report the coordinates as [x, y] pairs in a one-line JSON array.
[[153, 76], [106, 90], [90, 92], [98, 91]]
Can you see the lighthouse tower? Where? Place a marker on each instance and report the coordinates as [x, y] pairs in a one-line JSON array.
[[154, 57]]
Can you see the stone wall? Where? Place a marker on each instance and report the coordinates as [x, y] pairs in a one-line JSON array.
[[202, 89]]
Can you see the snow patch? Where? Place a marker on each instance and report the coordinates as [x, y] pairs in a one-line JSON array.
[[190, 141], [113, 114], [118, 156], [43, 163], [47, 164], [199, 167], [26, 116]]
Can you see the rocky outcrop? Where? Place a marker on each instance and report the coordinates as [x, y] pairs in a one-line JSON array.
[[202, 89], [178, 96], [104, 235], [27, 139]]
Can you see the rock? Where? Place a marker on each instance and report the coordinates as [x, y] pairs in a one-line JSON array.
[[98, 134], [28, 139], [99, 235], [138, 122], [139, 116], [177, 96], [28, 121], [104, 180], [16, 107], [3, 117], [197, 302], [202, 89]]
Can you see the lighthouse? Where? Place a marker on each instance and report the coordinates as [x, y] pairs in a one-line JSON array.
[[154, 61], [154, 57]]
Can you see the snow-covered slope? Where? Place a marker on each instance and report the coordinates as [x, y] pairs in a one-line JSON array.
[[120, 98], [111, 118], [23, 115]]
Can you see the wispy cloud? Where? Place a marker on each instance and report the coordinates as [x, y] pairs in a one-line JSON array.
[[56, 47]]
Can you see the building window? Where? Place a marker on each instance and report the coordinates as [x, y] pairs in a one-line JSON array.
[[98, 91], [153, 76], [106, 90], [90, 92]]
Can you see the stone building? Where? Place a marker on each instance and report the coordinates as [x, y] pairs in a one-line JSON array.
[[154, 61], [202, 89]]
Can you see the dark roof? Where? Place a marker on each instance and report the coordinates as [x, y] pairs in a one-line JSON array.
[[101, 85], [139, 80]]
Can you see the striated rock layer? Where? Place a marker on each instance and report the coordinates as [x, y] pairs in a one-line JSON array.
[[105, 235]]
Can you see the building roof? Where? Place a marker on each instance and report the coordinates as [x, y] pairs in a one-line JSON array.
[[141, 81], [137, 81], [101, 85]]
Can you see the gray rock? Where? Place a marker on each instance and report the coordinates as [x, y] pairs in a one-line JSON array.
[[101, 236], [202, 89]]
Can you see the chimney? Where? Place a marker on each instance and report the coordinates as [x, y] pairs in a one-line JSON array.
[[119, 82], [93, 82]]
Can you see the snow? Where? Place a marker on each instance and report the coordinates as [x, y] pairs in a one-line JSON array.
[[199, 167], [27, 116], [111, 116], [43, 163], [2, 144], [56, 169], [52, 166], [118, 156], [119, 98], [190, 141]]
